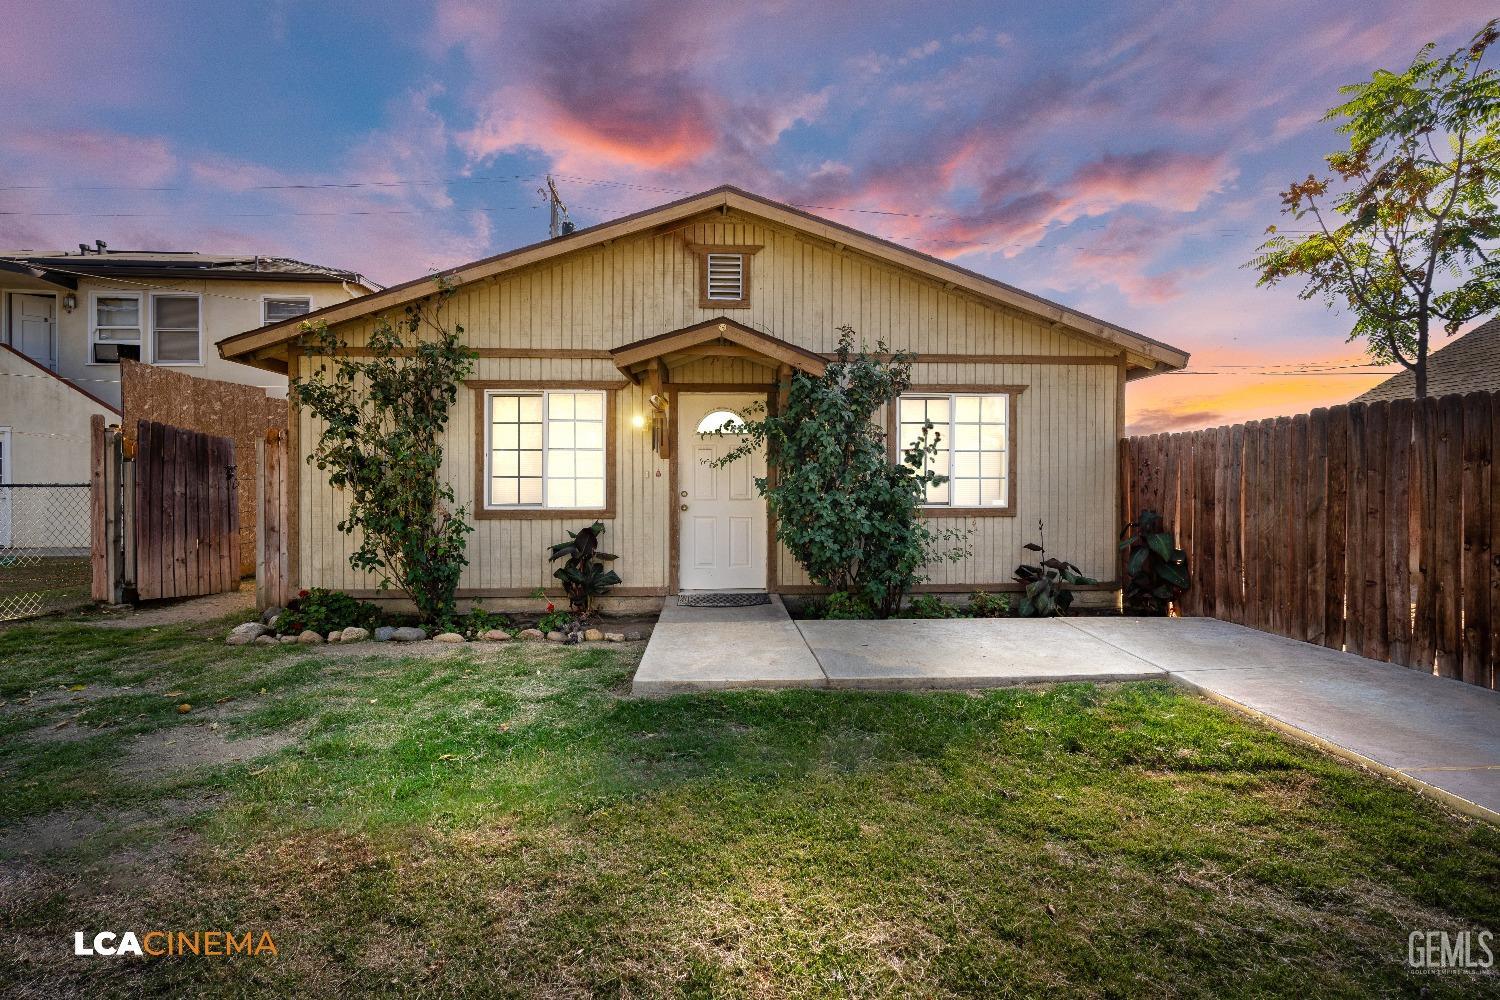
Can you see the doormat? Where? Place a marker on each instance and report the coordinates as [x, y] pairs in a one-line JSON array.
[[722, 600]]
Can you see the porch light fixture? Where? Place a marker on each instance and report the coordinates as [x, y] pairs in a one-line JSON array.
[[637, 421], [70, 302]]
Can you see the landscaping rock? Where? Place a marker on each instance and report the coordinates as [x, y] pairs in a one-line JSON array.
[[593, 635], [614, 637], [265, 640], [354, 634], [239, 640], [497, 635], [556, 637], [448, 637], [253, 630], [286, 640], [530, 633], [310, 638], [408, 634], [384, 633], [270, 614], [633, 637]]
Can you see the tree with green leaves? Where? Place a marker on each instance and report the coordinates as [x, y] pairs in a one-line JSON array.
[[383, 424], [844, 510], [1403, 230]]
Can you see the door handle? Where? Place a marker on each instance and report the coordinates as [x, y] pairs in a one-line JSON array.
[[684, 506]]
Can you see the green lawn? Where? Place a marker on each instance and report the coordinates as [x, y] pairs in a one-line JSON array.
[[504, 821]]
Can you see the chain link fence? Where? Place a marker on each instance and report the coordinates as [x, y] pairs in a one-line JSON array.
[[44, 548]]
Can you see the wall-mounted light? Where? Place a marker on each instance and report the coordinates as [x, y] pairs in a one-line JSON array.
[[70, 302], [638, 421]]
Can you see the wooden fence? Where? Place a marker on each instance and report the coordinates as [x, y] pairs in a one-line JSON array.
[[1371, 527], [165, 513]]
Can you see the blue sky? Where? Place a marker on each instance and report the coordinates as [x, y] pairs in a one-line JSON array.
[[1121, 157]]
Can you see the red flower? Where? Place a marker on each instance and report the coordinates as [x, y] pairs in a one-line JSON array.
[[549, 605], [304, 593]]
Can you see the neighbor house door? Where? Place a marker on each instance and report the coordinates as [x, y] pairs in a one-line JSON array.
[[723, 516], [31, 321]]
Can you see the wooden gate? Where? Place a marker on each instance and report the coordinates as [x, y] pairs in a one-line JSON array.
[[166, 514]]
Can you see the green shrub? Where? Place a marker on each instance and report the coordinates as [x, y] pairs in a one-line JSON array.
[[844, 606], [930, 606], [843, 508], [987, 605], [323, 611], [478, 621]]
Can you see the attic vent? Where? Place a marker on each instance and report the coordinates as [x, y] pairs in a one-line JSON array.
[[726, 276]]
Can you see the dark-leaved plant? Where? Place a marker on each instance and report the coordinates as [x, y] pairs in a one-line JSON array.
[[1156, 570], [584, 575], [844, 509], [1049, 581], [383, 419]]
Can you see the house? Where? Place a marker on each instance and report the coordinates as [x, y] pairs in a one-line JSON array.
[[1470, 363], [68, 318], [604, 352]]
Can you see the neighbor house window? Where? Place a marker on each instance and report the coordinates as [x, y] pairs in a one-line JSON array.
[[545, 449], [176, 330], [278, 309], [973, 447], [115, 328]]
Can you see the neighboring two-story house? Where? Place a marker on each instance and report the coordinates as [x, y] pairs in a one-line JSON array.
[[68, 318]]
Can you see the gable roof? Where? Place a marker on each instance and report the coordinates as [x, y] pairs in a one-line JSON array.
[[1149, 355], [720, 328], [1470, 363]]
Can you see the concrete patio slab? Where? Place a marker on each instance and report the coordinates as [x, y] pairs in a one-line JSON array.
[[965, 653], [1418, 728], [702, 649]]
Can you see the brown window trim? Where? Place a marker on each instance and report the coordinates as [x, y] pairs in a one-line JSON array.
[[1014, 392], [481, 512], [701, 251]]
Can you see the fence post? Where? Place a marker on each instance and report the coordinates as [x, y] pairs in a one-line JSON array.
[[270, 521]]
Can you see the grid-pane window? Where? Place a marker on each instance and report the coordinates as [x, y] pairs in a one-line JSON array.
[[973, 447], [546, 449], [279, 309], [116, 328], [175, 329]]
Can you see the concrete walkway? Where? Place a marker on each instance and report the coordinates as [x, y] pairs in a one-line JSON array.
[[1440, 736]]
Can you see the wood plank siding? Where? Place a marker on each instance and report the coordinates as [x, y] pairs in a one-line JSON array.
[[556, 320]]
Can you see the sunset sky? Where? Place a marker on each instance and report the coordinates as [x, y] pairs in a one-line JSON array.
[[1123, 158]]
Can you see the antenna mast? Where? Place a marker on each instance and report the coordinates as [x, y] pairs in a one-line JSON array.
[[558, 223]]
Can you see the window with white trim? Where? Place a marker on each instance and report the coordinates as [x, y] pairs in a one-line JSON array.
[[279, 308], [176, 330], [545, 449], [973, 445], [114, 328], [726, 277]]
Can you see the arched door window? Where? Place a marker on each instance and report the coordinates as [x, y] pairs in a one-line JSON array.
[[721, 422]]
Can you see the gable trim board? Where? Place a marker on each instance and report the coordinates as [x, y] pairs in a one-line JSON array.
[[1143, 353]]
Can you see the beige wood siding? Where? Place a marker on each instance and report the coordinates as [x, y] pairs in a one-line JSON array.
[[802, 289]]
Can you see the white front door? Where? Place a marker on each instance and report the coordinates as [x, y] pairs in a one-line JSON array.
[[723, 527], [31, 318]]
